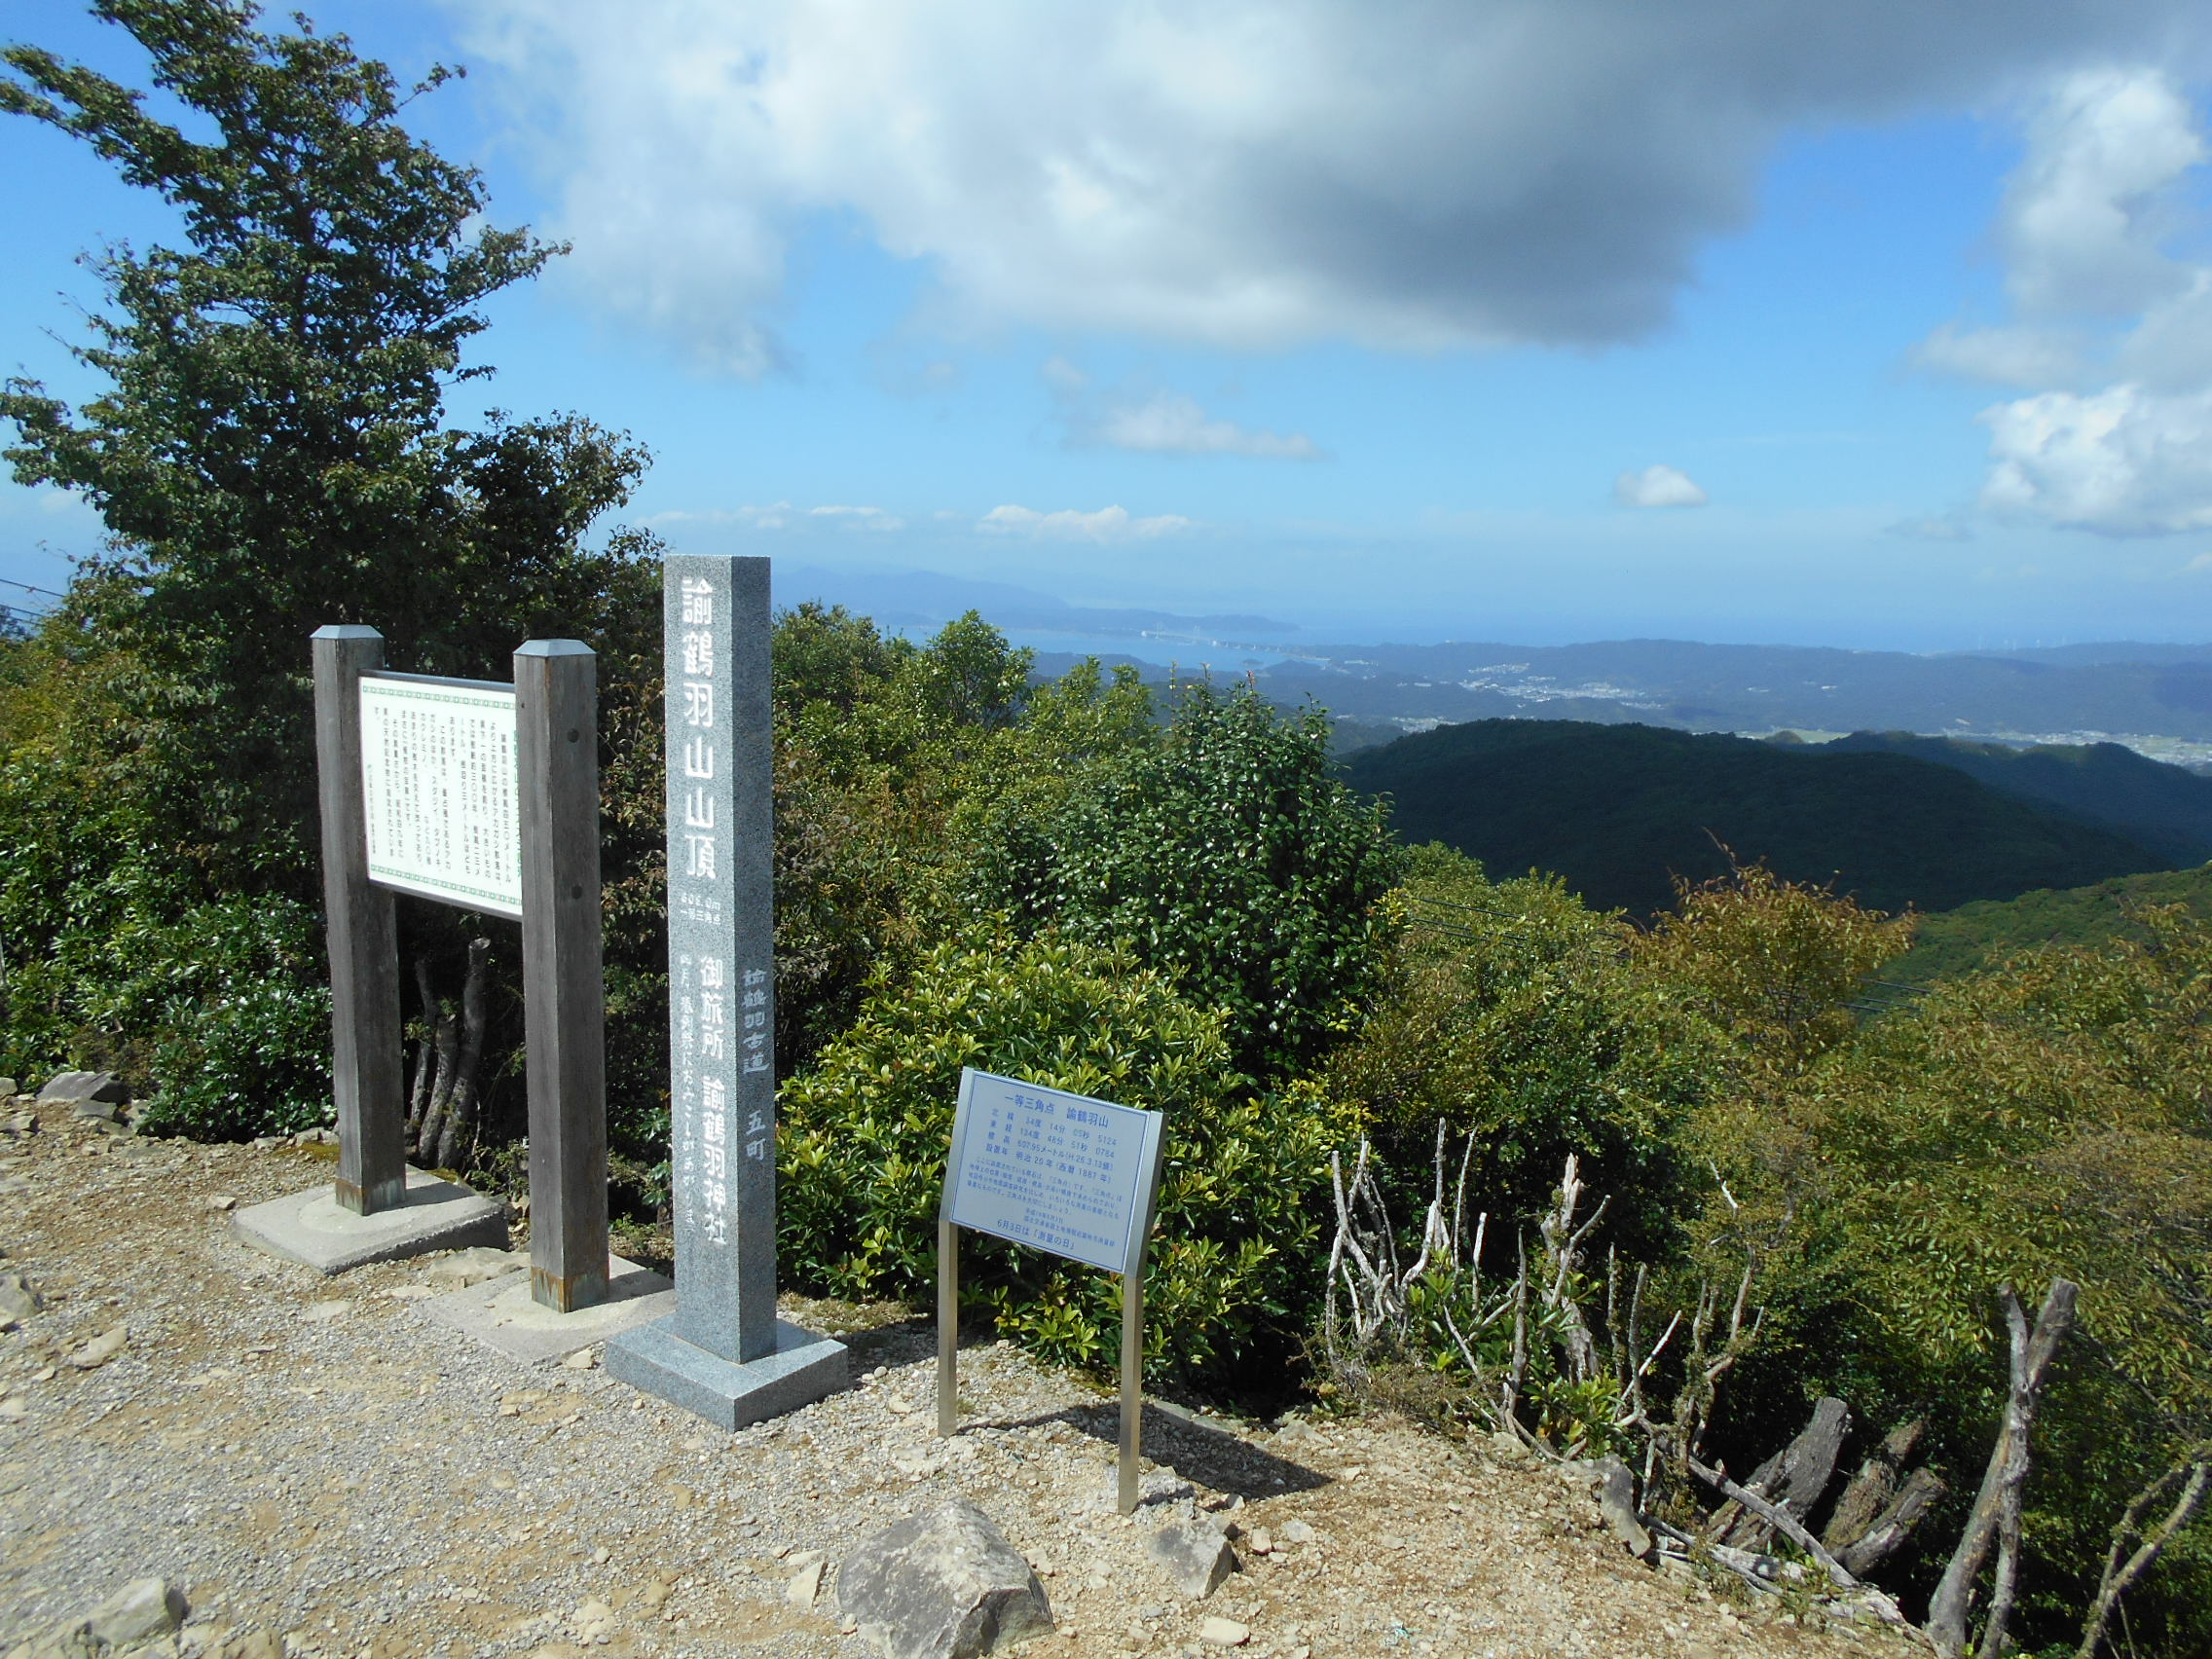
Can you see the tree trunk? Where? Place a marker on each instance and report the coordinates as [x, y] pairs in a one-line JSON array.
[[425, 1051], [460, 1129], [2031, 1355], [1870, 1489], [1919, 1494], [2119, 1578], [1795, 1478]]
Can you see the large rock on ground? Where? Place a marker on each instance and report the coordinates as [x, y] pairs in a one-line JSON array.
[[68, 1088], [943, 1584], [1193, 1555], [139, 1612]]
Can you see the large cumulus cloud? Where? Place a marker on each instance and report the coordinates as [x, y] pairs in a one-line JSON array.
[[1416, 173]]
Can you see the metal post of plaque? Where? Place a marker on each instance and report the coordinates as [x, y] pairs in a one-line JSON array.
[[723, 1355], [1059, 1172]]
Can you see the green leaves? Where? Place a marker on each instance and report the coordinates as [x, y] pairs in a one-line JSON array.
[[865, 1134]]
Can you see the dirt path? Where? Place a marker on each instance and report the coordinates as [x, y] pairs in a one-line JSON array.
[[325, 1472]]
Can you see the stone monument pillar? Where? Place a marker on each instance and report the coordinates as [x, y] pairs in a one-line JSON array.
[[724, 1354]]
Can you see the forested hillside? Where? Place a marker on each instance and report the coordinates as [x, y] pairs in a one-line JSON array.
[[1621, 811], [1983, 934], [2168, 809]]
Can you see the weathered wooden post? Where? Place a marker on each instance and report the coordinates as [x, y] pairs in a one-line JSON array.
[[366, 1085], [724, 1354], [564, 984]]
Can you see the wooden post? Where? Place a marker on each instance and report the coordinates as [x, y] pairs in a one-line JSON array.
[[366, 1082], [564, 996], [948, 1327]]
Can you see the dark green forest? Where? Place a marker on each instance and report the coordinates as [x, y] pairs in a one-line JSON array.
[[1513, 974], [1623, 811]]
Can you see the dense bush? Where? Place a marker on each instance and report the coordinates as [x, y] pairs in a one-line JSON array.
[[865, 1132], [1226, 854]]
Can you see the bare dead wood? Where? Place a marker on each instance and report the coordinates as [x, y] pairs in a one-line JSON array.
[[1782, 1521], [2031, 1354], [1796, 1477], [1920, 1491], [445, 1052], [1870, 1489], [426, 1050], [2193, 1472], [458, 1130]]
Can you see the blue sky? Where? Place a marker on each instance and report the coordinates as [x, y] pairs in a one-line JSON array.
[[1535, 322]]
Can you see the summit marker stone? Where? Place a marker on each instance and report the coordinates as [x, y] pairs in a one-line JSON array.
[[723, 1355]]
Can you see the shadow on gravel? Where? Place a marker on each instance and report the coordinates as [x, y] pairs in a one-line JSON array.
[[1196, 1449]]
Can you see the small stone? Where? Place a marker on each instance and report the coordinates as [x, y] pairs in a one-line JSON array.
[[7, 1088], [1298, 1533], [1196, 1556], [23, 1124], [101, 1349], [583, 1359], [1225, 1633], [1505, 1446], [13, 1409], [943, 1584], [139, 1612], [221, 1201], [45, 1374], [96, 1110], [806, 1584], [1616, 1502], [1260, 1541], [322, 1312], [66, 1088], [900, 1404], [410, 1291]]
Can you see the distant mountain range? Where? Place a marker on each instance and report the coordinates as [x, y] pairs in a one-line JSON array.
[[1620, 810], [2156, 698]]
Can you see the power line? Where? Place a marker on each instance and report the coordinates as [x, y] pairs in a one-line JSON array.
[[49, 593]]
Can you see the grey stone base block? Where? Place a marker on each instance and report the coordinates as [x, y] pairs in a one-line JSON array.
[[500, 1315], [308, 1226], [803, 1369]]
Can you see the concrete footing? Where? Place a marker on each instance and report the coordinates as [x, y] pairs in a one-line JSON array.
[[803, 1369], [311, 1227], [500, 1313]]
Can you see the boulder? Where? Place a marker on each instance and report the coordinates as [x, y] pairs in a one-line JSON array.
[[1193, 1555], [19, 1299], [139, 1612], [67, 1089], [943, 1584]]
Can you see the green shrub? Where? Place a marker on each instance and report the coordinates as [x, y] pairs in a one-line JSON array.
[[1224, 853], [865, 1136]]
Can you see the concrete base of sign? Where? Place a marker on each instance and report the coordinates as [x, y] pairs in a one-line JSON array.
[[500, 1313], [803, 1369], [308, 1226]]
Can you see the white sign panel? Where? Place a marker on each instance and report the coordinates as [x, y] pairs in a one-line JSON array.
[[439, 781], [1056, 1171]]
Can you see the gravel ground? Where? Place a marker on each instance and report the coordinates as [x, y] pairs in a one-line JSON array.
[[323, 1471]]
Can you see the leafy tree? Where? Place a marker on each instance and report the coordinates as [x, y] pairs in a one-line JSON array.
[[1226, 854], [270, 454], [1511, 1011]]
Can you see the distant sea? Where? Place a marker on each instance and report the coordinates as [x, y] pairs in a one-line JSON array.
[[1163, 653]]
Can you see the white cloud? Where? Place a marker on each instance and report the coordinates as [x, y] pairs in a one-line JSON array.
[[1172, 424], [1438, 172], [2086, 211], [859, 518], [2123, 460], [2117, 331], [1107, 523], [1657, 487]]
